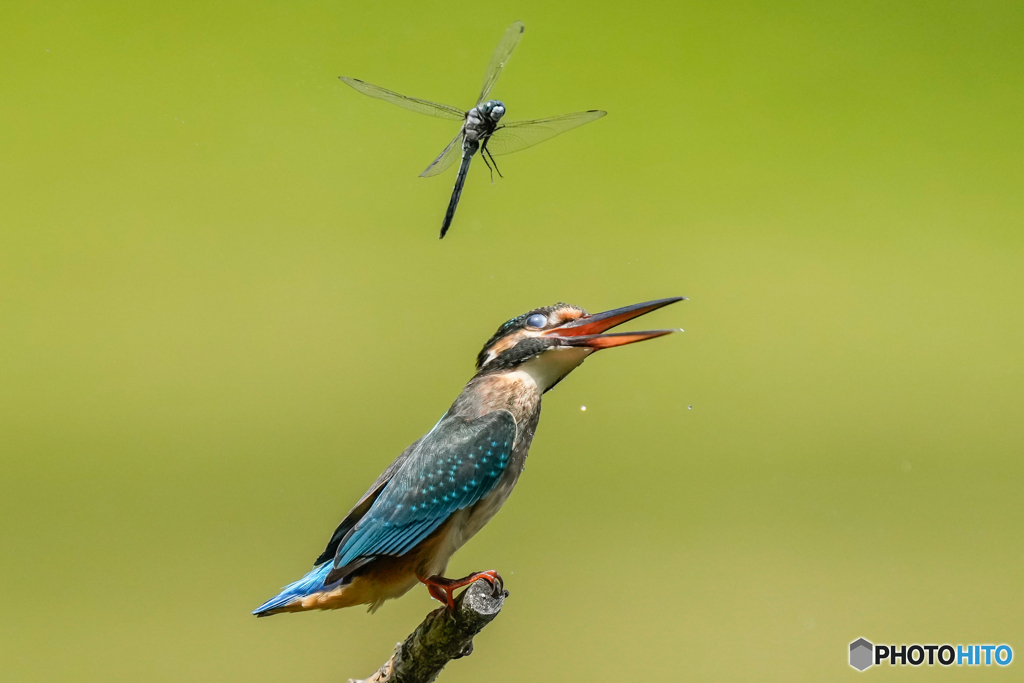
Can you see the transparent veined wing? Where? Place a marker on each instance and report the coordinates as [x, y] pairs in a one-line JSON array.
[[500, 57], [447, 157], [441, 111], [519, 135]]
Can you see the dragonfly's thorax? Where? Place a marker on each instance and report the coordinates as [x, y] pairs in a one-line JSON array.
[[482, 120]]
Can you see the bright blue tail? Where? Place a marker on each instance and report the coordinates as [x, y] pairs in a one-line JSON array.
[[307, 585]]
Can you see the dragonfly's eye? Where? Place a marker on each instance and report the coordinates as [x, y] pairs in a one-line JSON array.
[[536, 320], [497, 112]]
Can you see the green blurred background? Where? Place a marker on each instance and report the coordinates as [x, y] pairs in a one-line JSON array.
[[224, 309]]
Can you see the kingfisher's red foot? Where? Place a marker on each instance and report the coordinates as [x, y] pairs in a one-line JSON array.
[[442, 589]]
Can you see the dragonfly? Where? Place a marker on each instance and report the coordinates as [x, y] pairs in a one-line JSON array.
[[482, 129]]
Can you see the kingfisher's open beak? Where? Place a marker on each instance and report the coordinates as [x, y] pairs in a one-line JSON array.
[[587, 331]]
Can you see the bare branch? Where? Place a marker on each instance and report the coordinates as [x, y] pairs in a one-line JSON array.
[[442, 637]]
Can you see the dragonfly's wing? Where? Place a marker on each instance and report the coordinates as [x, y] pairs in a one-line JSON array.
[[518, 135], [441, 111], [448, 156], [500, 57]]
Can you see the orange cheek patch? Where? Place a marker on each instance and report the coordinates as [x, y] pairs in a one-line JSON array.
[[505, 344], [567, 314]]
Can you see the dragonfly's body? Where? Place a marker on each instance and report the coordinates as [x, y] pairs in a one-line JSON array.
[[481, 123], [480, 130], [482, 120]]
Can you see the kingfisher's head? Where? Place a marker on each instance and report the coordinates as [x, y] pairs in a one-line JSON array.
[[492, 110], [550, 342]]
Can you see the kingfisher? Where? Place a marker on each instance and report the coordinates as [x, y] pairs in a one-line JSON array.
[[448, 484]]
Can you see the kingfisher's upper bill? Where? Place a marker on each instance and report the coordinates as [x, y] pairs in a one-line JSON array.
[[482, 130], [448, 484]]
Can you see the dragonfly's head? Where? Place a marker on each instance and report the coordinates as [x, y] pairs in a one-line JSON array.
[[493, 110], [548, 343]]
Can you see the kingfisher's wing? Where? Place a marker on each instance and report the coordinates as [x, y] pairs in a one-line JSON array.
[[449, 469], [360, 509]]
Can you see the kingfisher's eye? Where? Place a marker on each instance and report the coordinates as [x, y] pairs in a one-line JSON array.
[[536, 320]]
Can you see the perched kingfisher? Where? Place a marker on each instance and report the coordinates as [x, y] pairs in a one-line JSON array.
[[448, 484]]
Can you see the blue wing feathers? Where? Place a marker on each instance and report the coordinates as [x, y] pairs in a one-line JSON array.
[[453, 467]]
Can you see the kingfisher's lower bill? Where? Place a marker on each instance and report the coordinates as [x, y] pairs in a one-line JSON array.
[[448, 484]]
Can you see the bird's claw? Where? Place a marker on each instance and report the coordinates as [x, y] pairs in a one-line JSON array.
[[442, 589], [493, 578]]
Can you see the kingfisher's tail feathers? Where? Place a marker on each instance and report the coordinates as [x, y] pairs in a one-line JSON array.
[[313, 582]]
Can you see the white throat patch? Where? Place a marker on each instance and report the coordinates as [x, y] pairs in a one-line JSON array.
[[552, 365]]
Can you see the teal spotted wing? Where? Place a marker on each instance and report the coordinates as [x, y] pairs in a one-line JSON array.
[[454, 466]]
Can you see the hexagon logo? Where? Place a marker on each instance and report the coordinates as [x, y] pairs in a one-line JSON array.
[[861, 654]]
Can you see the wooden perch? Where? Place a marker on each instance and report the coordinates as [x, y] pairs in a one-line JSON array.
[[443, 636]]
